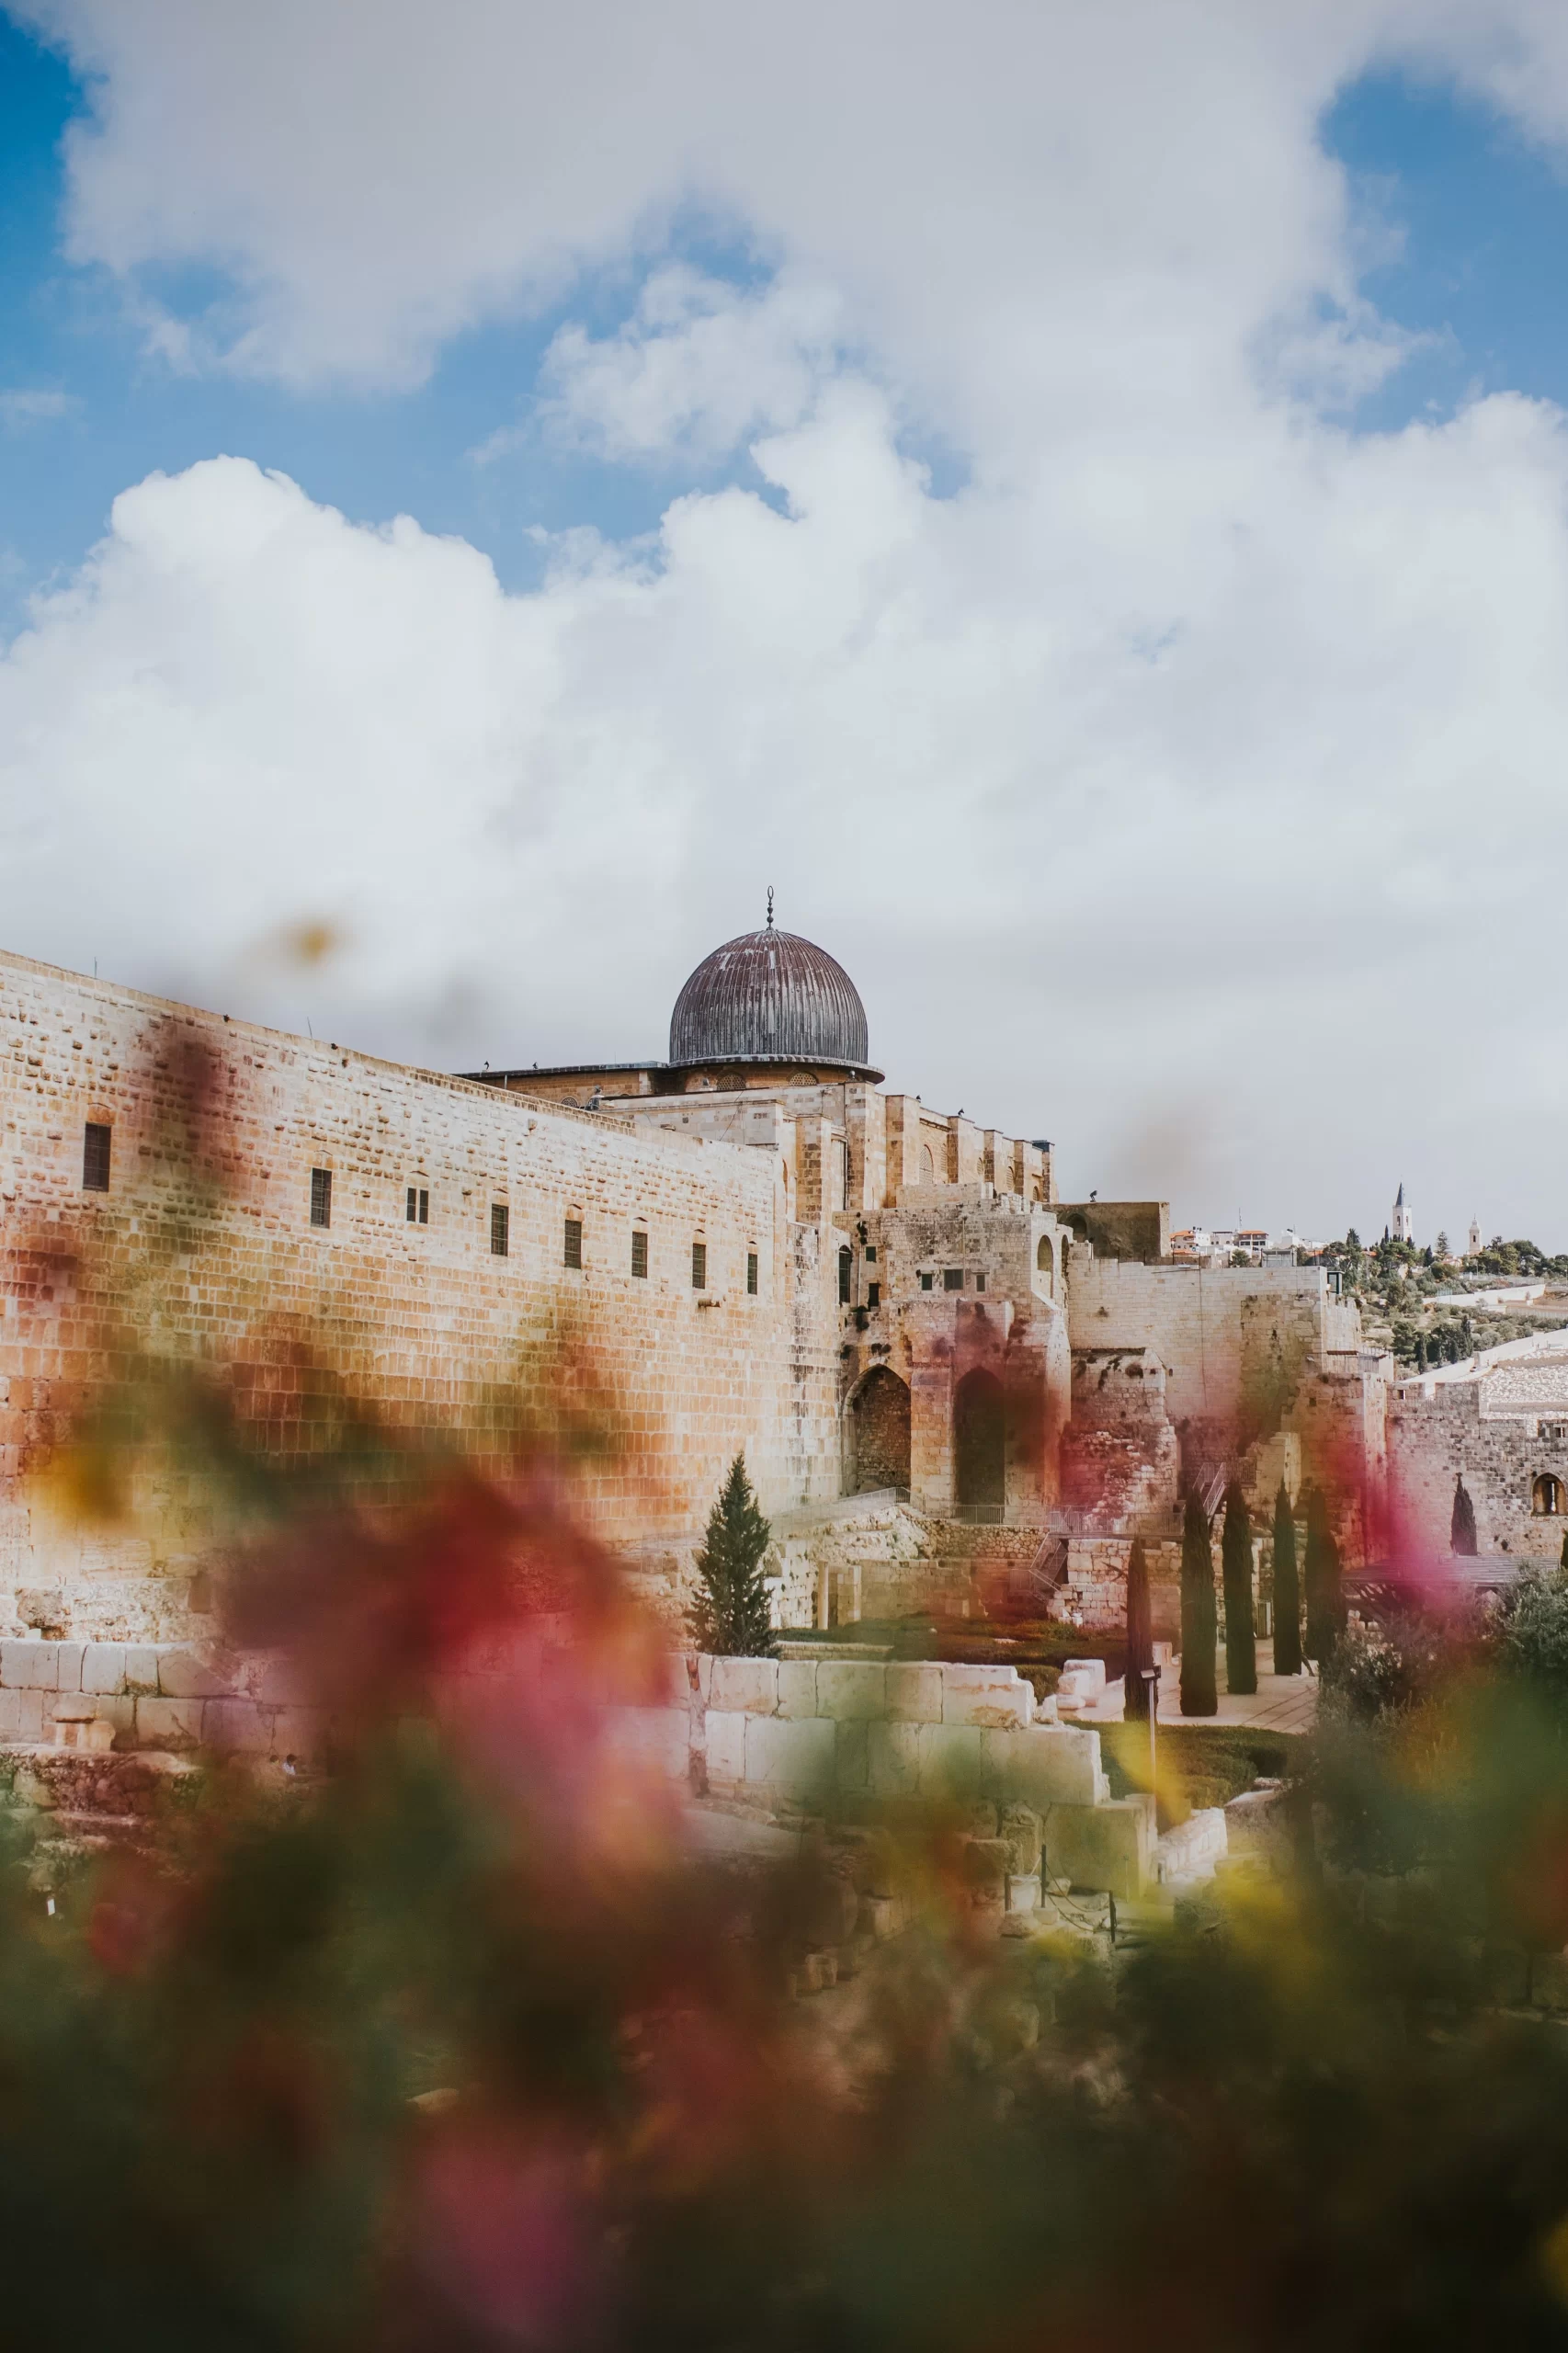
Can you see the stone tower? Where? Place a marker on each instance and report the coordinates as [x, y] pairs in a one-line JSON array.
[[1401, 1228]]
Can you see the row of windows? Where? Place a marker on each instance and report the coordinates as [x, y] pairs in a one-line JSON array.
[[574, 1257], [952, 1279], [96, 1150]]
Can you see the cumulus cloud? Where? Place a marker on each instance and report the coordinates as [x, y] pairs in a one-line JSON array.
[[1185, 773]]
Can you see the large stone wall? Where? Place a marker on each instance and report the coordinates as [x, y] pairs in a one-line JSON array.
[[203, 1250], [1434, 1439]]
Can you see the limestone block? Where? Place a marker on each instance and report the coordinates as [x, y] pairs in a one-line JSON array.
[[657, 1739], [797, 1687], [167, 1723], [237, 1725], [951, 1759], [892, 1753], [1020, 1827], [21, 1715], [182, 1676], [852, 1755], [792, 1759], [1108, 1846], [993, 1707], [1023, 1890], [28, 1666], [982, 1819], [985, 1866], [750, 1685], [726, 1745], [68, 1665], [1089, 1672], [1048, 1765], [848, 1687], [140, 1667], [914, 1694], [103, 1666]]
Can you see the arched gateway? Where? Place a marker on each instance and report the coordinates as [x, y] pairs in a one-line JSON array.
[[979, 1444], [878, 1432]]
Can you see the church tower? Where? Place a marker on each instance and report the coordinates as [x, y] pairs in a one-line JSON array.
[[1401, 1228], [1475, 1237]]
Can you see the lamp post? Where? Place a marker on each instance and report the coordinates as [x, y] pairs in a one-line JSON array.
[[1151, 1676]]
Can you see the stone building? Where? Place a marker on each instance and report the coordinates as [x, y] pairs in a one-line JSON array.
[[926, 1357], [1498, 1421]]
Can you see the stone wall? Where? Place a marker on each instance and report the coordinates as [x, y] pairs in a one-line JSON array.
[[1432, 1439], [792, 1736], [203, 1250]]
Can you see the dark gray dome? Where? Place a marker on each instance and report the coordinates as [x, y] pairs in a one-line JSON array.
[[769, 996]]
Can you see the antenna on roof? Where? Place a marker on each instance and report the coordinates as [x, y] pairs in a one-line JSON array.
[[770, 906]]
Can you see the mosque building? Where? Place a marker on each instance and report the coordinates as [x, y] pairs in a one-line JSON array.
[[925, 1356]]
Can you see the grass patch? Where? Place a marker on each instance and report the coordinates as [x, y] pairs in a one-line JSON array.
[[1198, 1765]]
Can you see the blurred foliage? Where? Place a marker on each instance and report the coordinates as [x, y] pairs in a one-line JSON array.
[[1197, 1765]]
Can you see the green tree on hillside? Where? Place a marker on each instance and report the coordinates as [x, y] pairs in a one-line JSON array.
[[731, 1614], [1325, 1601], [1235, 1557], [1198, 1617], [1286, 1589]]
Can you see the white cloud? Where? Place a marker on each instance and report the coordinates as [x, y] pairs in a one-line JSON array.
[[700, 367], [1184, 776], [23, 405]]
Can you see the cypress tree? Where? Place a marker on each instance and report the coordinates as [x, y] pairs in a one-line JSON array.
[[1562, 1563], [1140, 1637], [1286, 1589], [731, 1614], [1236, 1559], [1462, 1526], [1198, 1618], [1325, 1603]]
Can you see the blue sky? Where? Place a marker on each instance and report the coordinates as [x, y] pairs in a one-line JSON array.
[[1473, 219], [1081, 513]]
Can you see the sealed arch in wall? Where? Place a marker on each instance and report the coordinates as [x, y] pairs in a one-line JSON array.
[[876, 1430]]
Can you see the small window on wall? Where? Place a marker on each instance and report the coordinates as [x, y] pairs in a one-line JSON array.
[[1546, 1496], [750, 1274], [873, 1294], [500, 1229], [952, 1278], [95, 1142], [929, 1280], [417, 1211], [573, 1242], [640, 1254], [870, 1253], [845, 1273], [841, 1155], [700, 1266], [980, 1282], [320, 1197]]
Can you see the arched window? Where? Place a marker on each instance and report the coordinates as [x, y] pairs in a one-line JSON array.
[[1045, 1261], [1548, 1500]]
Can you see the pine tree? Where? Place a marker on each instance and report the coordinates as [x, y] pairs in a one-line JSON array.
[[1235, 1557], [1325, 1602], [1286, 1589], [1462, 1526], [731, 1614], [1198, 1620], [1140, 1637]]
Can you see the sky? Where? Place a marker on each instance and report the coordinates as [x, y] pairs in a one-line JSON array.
[[1074, 497]]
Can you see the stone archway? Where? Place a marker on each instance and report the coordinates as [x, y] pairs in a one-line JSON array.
[[879, 1433], [979, 1444]]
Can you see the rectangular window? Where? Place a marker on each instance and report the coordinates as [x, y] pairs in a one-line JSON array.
[[952, 1278], [751, 1273], [870, 1253], [928, 1282], [700, 1266], [500, 1229], [320, 1197], [842, 1156], [573, 1242], [418, 1209], [873, 1294], [845, 1278], [95, 1156], [980, 1282], [638, 1254]]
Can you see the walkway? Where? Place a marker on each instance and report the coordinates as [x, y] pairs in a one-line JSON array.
[[1280, 1703]]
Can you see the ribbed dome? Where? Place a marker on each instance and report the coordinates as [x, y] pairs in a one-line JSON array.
[[769, 996]]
